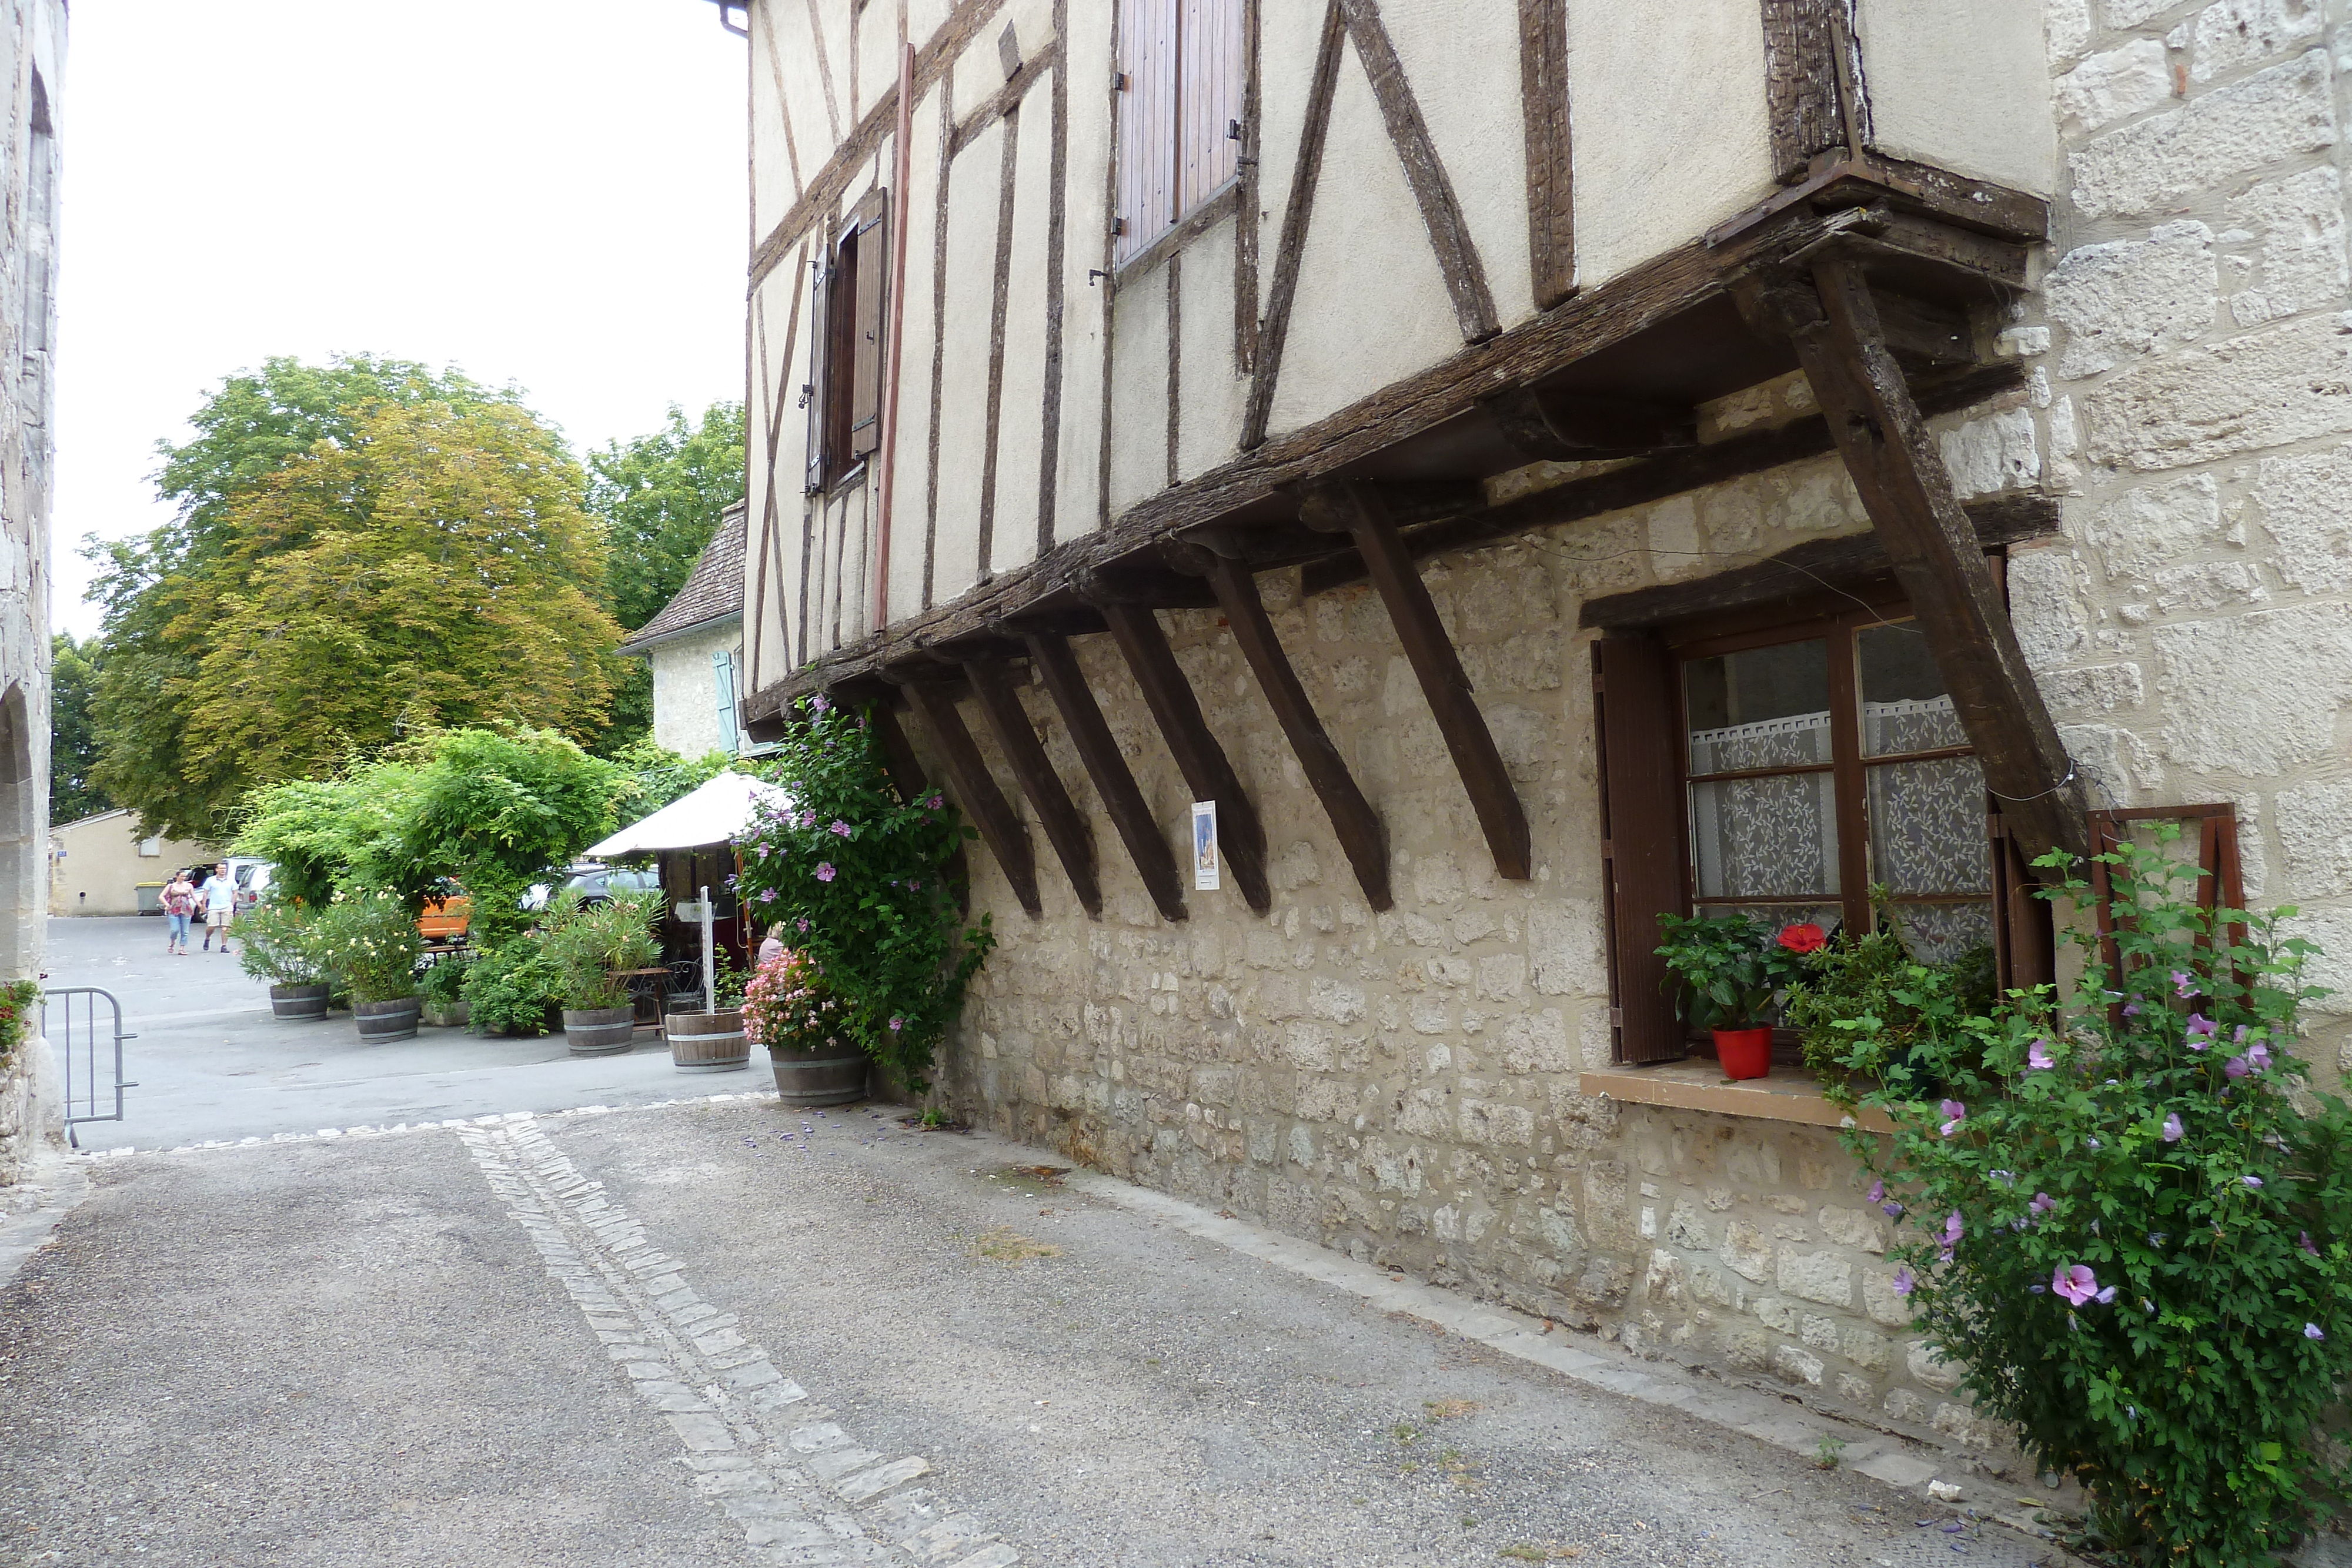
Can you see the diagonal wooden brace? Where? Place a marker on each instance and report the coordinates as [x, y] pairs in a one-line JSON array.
[[1834, 327], [1361, 511], [1066, 827], [976, 792], [1114, 781]]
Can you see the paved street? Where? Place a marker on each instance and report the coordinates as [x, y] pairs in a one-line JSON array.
[[210, 1061], [711, 1333]]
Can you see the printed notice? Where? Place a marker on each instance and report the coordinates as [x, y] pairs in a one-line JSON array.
[[1204, 846]]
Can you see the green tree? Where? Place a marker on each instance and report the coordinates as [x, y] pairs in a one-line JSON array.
[[171, 596], [73, 740]]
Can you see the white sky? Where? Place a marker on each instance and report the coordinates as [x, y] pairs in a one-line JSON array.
[[551, 194]]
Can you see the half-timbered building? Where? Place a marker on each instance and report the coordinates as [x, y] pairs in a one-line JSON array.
[[1536, 465]]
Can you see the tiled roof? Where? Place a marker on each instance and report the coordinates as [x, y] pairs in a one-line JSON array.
[[713, 589]]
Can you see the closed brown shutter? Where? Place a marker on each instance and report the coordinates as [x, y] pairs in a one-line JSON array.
[[1640, 823], [813, 393], [1209, 89], [866, 344], [1147, 124]]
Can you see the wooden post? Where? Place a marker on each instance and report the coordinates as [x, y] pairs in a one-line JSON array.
[[1362, 838], [1360, 509], [1931, 546], [1066, 827], [977, 792], [1114, 781], [1240, 836]]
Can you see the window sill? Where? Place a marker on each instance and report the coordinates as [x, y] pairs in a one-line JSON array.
[[1786, 1094]]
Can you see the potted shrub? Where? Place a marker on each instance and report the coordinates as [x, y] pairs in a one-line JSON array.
[[789, 1008], [1732, 967], [443, 986], [370, 943], [590, 944], [513, 989], [279, 943], [712, 1040]]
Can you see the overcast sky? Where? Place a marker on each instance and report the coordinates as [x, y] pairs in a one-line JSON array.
[[550, 194]]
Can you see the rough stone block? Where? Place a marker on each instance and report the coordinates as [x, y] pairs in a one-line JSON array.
[[1747, 1348], [1869, 1351], [2146, 528], [2131, 298], [1747, 1252], [1564, 939], [1686, 1227], [1536, 1044], [1663, 1284], [1823, 1277], [2255, 693], [2102, 688], [2000, 452], [2165, 161], [2303, 265], [2112, 85], [1791, 1364], [1502, 975], [1608, 1203], [2286, 382], [2234, 33], [2314, 832], [1774, 1314], [1494, 1123], [2302, 500], [1864, 1229], [1926, 1366], [1604, 1282]]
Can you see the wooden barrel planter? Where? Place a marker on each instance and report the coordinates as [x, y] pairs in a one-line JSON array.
[[707, 1042], [299, 1001], [599, 1031], [833, 1075], [394, 1020]]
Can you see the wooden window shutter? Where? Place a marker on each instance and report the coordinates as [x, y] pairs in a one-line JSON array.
[[813, 393], [873, 255], [1641, 822], [1210, 89], [722, 682], [1147, 124]]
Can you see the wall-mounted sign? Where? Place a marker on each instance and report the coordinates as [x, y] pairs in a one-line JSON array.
[[1204, 846]]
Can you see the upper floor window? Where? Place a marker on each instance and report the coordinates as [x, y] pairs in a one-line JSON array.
[[844, 394], [1180, 106]]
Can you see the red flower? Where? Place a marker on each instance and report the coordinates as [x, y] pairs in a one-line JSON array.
[[1805, 938]]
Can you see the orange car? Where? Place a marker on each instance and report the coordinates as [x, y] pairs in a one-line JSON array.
[[446, 915]]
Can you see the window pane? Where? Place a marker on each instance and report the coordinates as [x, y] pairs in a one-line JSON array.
[[1928, 831], [1767, 707], [1767, 838], [1905, 705], [1941, 933]]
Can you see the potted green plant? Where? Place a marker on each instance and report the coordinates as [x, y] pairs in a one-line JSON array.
[[712, 1040], [279, 943], [443, 987], [1732, 967], [789, 1008], [370, 943], [515, 988], [590, 944]]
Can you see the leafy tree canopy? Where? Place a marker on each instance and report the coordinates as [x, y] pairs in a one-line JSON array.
[[661, 495], [73, 740]]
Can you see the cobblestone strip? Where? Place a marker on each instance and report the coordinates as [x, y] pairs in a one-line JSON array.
[[803, 1490]]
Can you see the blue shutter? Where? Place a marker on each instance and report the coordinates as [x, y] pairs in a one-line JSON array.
[[722, 681]]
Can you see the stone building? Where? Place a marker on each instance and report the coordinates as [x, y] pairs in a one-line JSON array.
[[1535, 465], [32, 72], [694, 648]]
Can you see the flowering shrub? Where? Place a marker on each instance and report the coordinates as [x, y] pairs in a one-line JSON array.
[[859, 877], [368, 942], [278, 941], [1732, 966], [20, 1002], [1874, 977], [2132, 1219], [788, 1006], [509, 989]]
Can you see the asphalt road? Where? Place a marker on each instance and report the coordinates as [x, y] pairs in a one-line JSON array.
[[211, 1063], [715, 1332]]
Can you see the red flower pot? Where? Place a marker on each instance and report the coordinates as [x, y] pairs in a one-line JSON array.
[[1744, 1053]]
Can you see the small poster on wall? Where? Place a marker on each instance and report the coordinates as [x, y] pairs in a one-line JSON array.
[[1204, 846]]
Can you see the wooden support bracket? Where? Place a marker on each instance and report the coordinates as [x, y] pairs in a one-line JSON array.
[[1361, 510], [1066, 826], [1833, 322], [976, 792], [1363, 837], [1114, 781], [1240, 835]]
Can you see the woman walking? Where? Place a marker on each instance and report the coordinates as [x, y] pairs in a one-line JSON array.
[[179, 904]]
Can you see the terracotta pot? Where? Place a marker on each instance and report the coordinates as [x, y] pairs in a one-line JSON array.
[[826, 1077], [299, 1001], [706, 1042], [599, 1031], [1744, 1053]]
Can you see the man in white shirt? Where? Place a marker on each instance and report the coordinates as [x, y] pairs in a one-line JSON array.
[[219, 895]]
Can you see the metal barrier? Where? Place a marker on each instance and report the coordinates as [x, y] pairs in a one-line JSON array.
[[80, 1050]]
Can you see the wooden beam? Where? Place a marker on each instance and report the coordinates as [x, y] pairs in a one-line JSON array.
[[1801, 84], [1543, 107], [1066, 826], [1199, 758], [1362, 838], [1581, 427], [1833, 323], [976, 792], [1297, 209], [1106, 765], [1424, 172], [1360, 509]]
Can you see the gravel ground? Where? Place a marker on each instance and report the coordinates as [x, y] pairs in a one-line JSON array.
[[347, 1352]]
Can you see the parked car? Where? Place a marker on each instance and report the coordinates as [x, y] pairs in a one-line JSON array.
[[595, 884], [252, 879]]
